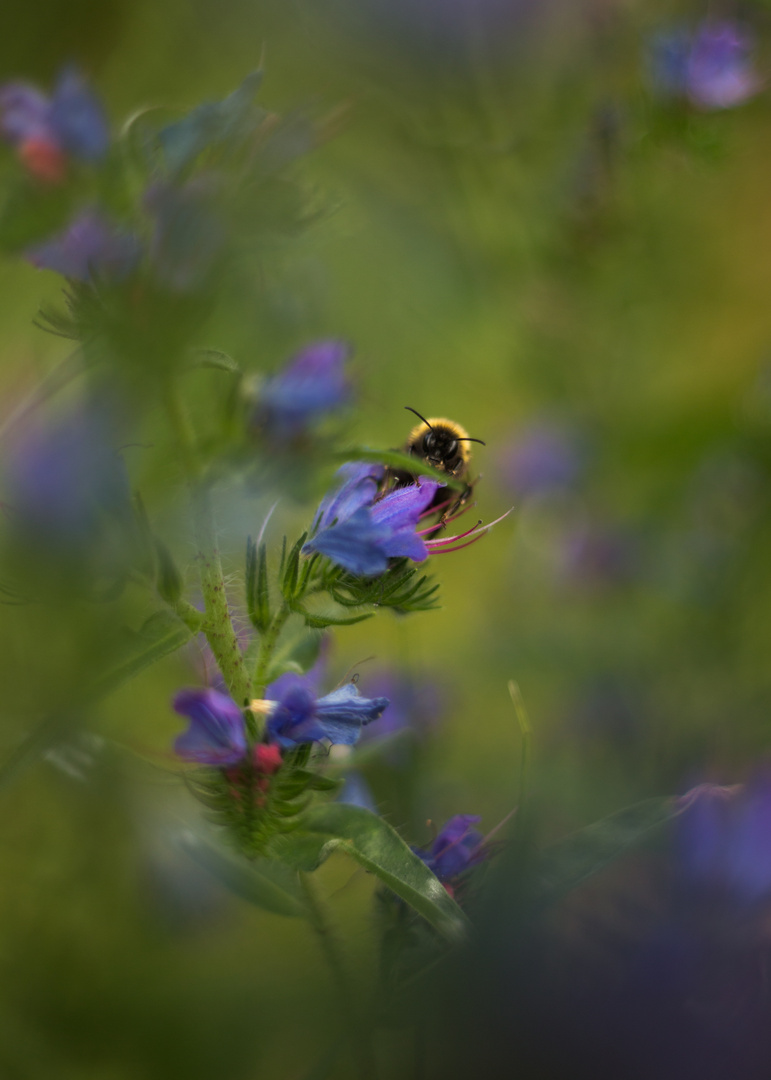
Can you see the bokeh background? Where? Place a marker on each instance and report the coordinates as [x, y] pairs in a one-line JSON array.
[[515, 230]]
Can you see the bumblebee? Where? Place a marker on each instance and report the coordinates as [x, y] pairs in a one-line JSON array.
[[443, 444]]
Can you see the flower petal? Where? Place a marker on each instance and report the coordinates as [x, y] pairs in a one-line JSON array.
[[217, 733]]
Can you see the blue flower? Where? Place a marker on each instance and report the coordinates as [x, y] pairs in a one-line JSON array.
[[217, 733], [720, 72], [457, 847], [46, 131], [544, 457], [61, 480], [711, 67], [90, 246], [298, 716], [313, 384], [724, 839], [360, 532]]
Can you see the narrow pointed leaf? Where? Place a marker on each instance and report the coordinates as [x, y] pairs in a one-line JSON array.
[[376, 846], [572, 860], [266, 883]]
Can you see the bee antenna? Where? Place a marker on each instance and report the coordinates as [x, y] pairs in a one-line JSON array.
[[409, 408], [467, 438]]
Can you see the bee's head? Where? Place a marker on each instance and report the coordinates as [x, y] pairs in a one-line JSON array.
[[441, 443]]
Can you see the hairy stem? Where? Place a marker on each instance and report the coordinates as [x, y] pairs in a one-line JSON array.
[[357, 1025], [216, 624]]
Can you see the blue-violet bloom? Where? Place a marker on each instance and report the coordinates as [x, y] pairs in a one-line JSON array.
[[217, 733], [457, 847], [366, 532], [711, 67], [724, 839], [46, 131], [91, 246], [296, 715], [545, 457], [313, 384]]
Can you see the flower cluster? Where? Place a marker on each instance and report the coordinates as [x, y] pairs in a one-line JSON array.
[[313, 384], [710, 67], [217, 734], [360, 525], [457, 847], [48, 132]]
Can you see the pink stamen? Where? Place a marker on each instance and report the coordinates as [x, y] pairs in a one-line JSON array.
[[435, 509], [460, 547], [452, 539], [438, 546]]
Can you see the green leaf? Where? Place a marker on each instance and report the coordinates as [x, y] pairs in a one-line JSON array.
[[163, 633], [266, 883], [567, 863], [215, 358], [257, 589], [321, 622], [398, 460], [376, 846], [168, 580]]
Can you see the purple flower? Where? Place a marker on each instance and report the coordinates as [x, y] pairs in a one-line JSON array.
[[416, 703], [365, 532], [187, 236], [457, 847], [62, 479], [724, 839], [217, 733], [711, 67], [544, 457], [298, 716], [311, 385], [90, 246], [46, 131]]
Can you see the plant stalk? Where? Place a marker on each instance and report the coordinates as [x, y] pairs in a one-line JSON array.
[[357, 1025]]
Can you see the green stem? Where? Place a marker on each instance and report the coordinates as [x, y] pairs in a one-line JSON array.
[[356, 1023], [268, 643], [216, 624]]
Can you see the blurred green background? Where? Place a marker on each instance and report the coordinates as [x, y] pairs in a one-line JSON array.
[[514, 234]]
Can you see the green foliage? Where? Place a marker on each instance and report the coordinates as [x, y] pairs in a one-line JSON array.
[[254, 808], [376, 846], [402, 587], [568, 863], [266, 883], [257, 589]]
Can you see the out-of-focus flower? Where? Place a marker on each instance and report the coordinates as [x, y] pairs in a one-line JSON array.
[[47, 131], [544, 457], [457, 847], [62, 479], [217, 733], [416, 703], [312, 385], [594, 554], [356, 792], [724, 839], [187, 236], [91, 246], [711, 67], [267, 758], [297, 715]]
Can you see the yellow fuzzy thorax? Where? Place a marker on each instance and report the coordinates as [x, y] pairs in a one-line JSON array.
[[439, 423]]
